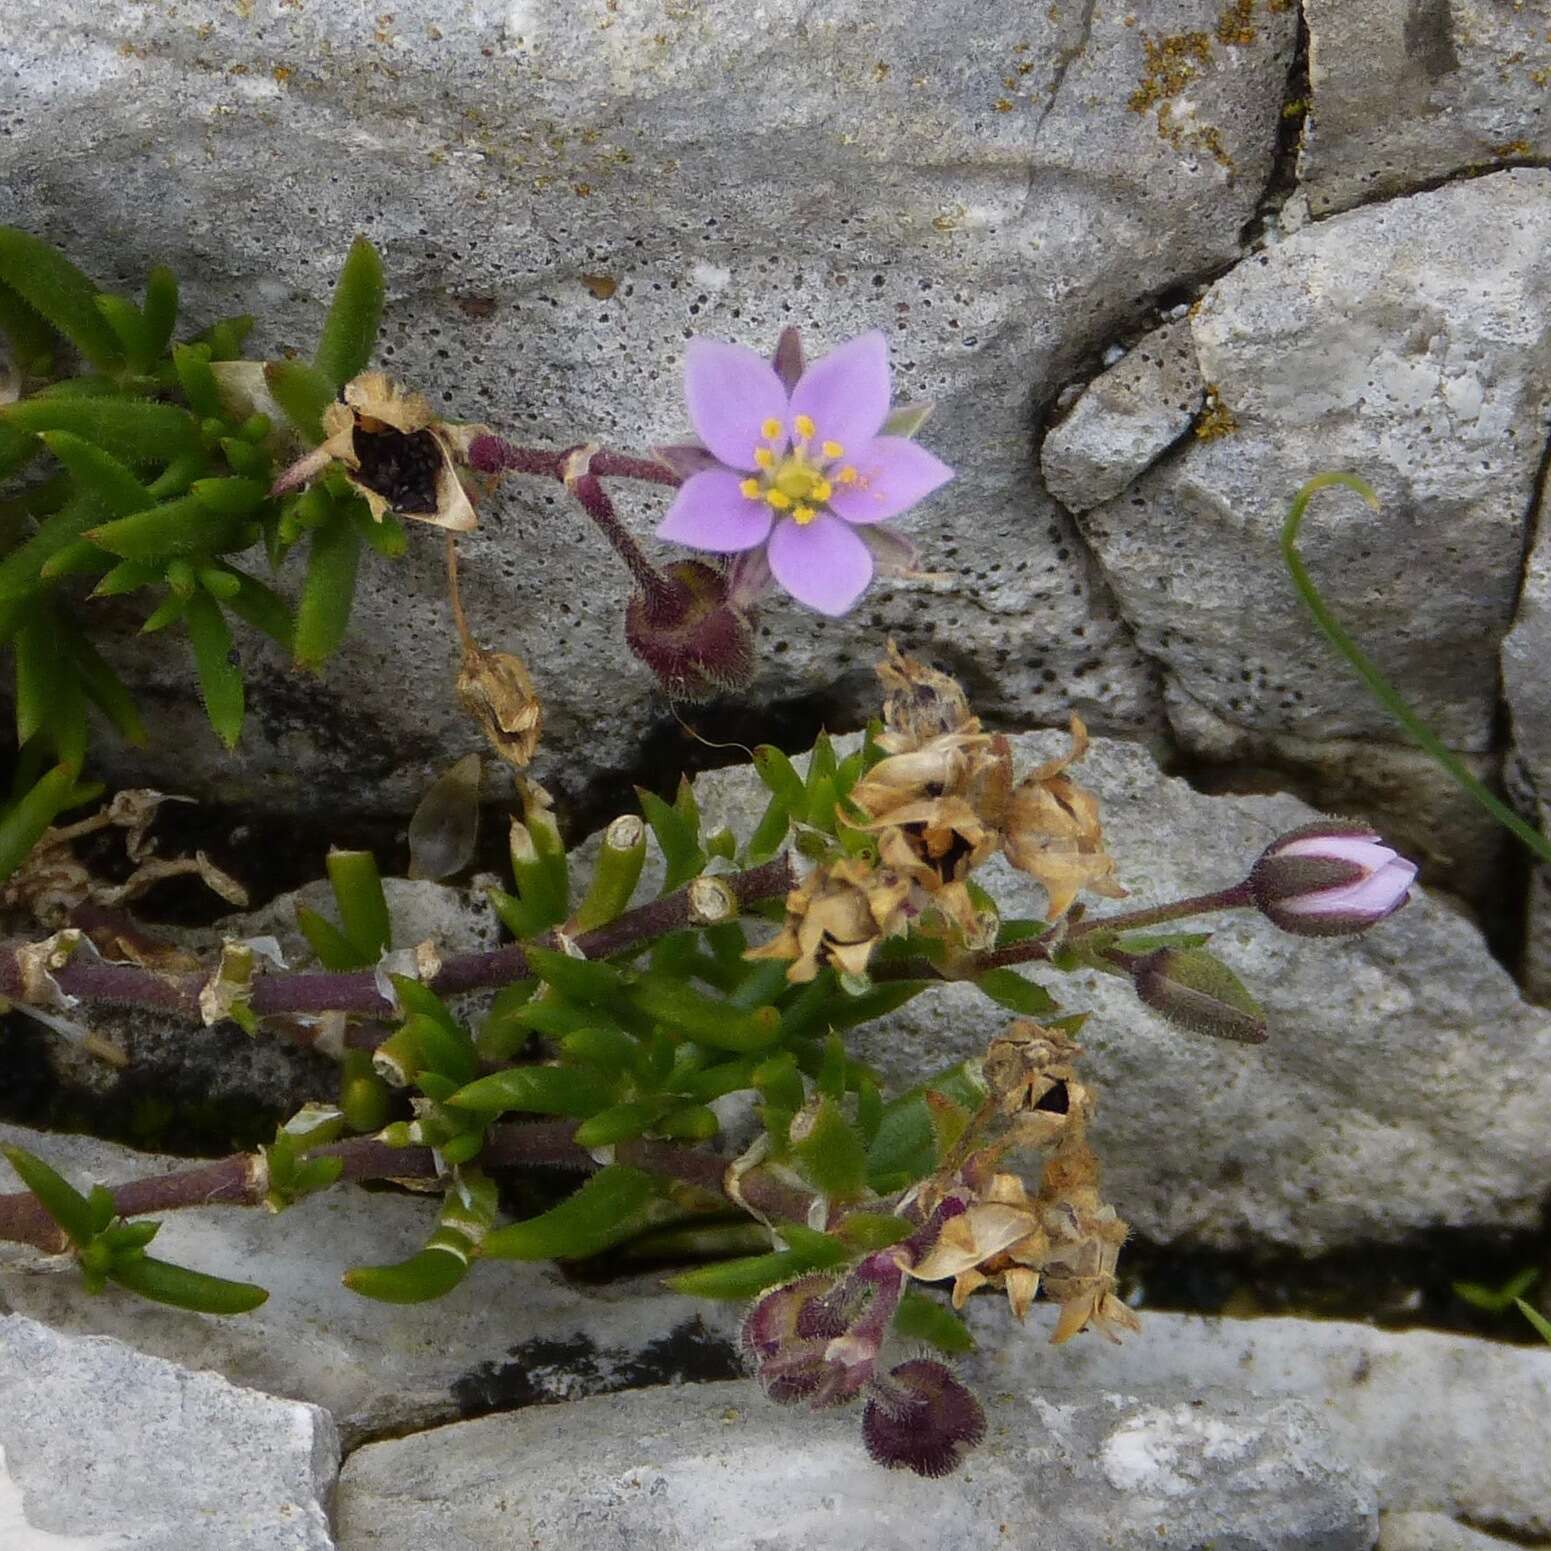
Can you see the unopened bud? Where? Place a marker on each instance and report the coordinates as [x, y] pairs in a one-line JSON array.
[[695, 640], [1200, 993], [1330, 879]]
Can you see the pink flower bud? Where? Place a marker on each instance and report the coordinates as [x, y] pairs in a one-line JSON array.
[[690, 634], [1330, 879]]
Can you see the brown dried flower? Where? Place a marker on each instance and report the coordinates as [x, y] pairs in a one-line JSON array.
[[396, 453], [837, 915]]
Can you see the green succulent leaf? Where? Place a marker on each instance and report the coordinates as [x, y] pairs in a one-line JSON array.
[[137, 431], [537, 1090], [350, 330], [303, 392], [55, 289], [1008, 988], [327, 594], [163, 1282], [922, 1318], [363, 907], [677, 837], [220, 677], [22, 823], [57, 1196], [606, 1209]]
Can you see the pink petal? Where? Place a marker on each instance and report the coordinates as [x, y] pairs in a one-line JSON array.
[[846, 394], [821, 563], [1378, 895], [731, 392], [1362, 850], [685, 458], [894, 475], [711, 512]]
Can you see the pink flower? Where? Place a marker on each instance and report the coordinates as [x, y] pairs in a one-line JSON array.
[[796, 463], [1330, 879]]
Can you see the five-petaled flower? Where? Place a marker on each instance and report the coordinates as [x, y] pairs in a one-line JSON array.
[[799, 464]]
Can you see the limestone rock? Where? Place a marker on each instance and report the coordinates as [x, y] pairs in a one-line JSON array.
[[722, 1466], [1003, 190], [1402, 95], [1410, 343], [105, 1449], [511, 1334], [1124, 420], [1443, 1425]]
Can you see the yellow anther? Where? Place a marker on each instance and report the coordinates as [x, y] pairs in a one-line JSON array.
[[833, 450], [764, 457], [847, 475], [778, 499], [804, 514], [771, 429], [751, 488], [823, 490], [804, 425]]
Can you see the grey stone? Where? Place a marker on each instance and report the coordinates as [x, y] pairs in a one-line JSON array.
[[1409, 342], [1431, 1532], [1527, 691], [1410, 797], [1404, 1084], [105, 1449], [1003, 189], [1403, 95], [721, 1467], [1124, 420], [1442, 1424], [511, 1334]]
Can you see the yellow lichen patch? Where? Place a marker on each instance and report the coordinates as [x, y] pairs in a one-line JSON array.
[[1170, 65], [1216, 419], [1513, 148], [1234, 27]]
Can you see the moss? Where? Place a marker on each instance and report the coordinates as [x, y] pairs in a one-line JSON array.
[[1216, 419]]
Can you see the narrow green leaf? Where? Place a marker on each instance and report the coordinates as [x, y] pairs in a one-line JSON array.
[[388, 537], [922, 1318], [603, 1211], [54, 288], [1008, 988], [185, 1289], [161, 308], [23, 823], [192, 365], [33, 342], [135, 430], [707, 1019], [363, 907], [57, 1196], [537, 1090], [303, 393], [1536, 1318], [21, 569], [350, 330], [169, 612], [324, 611], [619, 1122], [110, 482], [262, 607], [129, 328], [432, 1273], [335, 951], [742, 1279], [78, 559], [780, 776], [107, 690], [676, 837], [220, 677], [184, 526], [769, 834]]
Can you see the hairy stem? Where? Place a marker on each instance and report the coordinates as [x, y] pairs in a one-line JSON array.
[[355, 991], [242, 1179]]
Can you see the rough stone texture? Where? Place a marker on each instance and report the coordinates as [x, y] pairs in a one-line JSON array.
[[511, 1334], [1402, 791], [1410, 342], [129, 1453], [724, 1467], [1442, 1424], [1003, 188], [1431, 1532], [1404, 94], [221, 1072], [1527, 691], [1124, 420], [1404, 1085]]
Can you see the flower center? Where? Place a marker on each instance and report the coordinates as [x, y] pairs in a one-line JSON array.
[[799, 483]]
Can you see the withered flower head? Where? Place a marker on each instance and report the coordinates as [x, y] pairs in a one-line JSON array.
[[921, 1418], [837, 915], [495, 689], [396, 453], [691, 634], [1052, 832], [919, 703]]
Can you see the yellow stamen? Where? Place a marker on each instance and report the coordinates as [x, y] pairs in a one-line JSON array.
[[771, 429], [804, 514], [750, 488], [764, 457], [778, 499], [847, 475], [823, 490], [805, 428]]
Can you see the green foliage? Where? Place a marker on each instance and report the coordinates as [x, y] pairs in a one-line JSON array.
[[109, 1249], [151, 472]]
